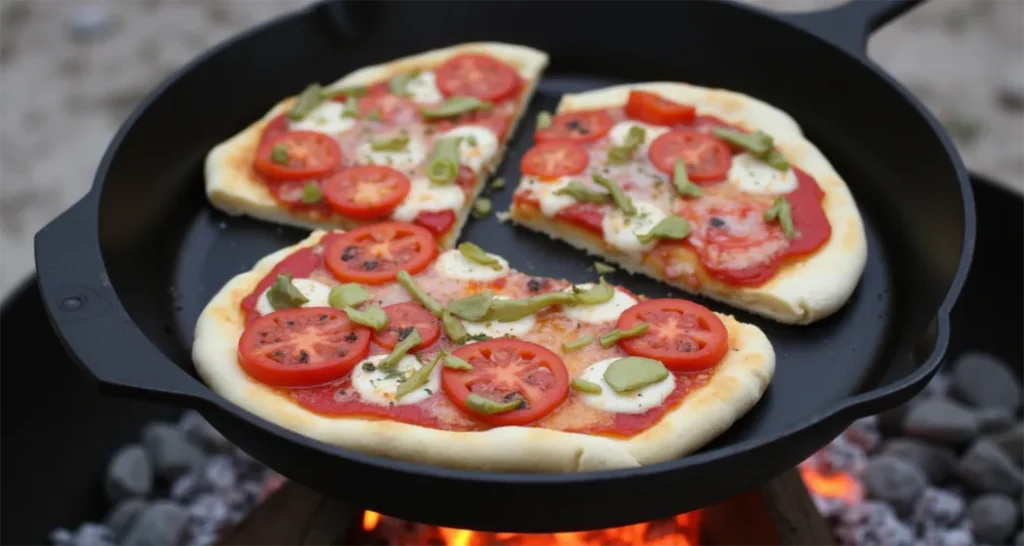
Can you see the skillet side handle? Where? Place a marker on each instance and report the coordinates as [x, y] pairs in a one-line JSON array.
[[89, 320], [849, 25]]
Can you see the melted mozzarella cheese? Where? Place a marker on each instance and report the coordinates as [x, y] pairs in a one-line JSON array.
[[425, 196], [621, 129], [637, 401], [325, 118], [479, 144], [751, 175], [516, 328], [620, 230], [315, 291], [413, 154], [379, 387], [550, 204], [454, 265], [423, 88], [608, 311]]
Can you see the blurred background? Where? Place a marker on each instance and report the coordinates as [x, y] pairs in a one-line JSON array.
[[72, 70]]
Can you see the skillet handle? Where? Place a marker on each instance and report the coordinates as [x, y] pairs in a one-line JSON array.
[[849, 25], [89, 320]]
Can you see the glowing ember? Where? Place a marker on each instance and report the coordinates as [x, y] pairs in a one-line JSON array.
[[833, 485], [679, 531]]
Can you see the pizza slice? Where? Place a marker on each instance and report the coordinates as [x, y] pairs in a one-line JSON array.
[[713, 192], [412, 140], [374, 340]]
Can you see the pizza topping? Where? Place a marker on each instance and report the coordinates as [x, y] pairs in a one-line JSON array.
[[706, 157], [307, 154], [581, 126], [350, 92], [443, 167], [328, 118], [372, 317], [512, 382], [399, 83], [453, 327], [759, 144], [620, 229], [498, 183], [682, 335], [455, 106], [602, 268], [418, 378], [418, 294], [670, 227], [634, 372], [482, 207], [543, 119], [477, 75], [624, 152], [582, 194], [404, 345], [366, 192], [455, 264], [473, 307], [636, 401], [507, 310], [311, 193], [348, 295], [578, 343], [423, 88], [751, 175], [554, 159], [284, 295], [682, 181], [619, 135], [405, 157], [600, 313], [476, 254], [391, 144], [311, 97], [593, 294], [619, 197], [279, 154], [287, 293], [427, 198], [402, 319], [477, 145], [376, 254], [514, 319], [611, 338], [652, 108], [782, 213], [379, 386], [456, 363], [351, 108], [583, 385]]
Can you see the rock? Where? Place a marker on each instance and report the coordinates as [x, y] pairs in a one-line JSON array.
[[985, 467], [894, 480], [936, 462], [129, 474], [959, 535], [864, 432], [87, 534], [993, 518], [221, 472], [122, 517], [160, 524], [91, 23], [940, 420], [200, 431], [172, 453], [890, 422], [993, 419], [1019, 539], [1012, 442], [983, 380], [873, 523], [937, 507], [1011, 88]]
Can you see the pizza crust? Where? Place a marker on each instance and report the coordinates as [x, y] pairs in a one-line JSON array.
[[735, 387], [801, 292], [233, 187]]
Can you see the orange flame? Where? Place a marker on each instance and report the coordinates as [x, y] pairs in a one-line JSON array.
[[835, 485], [370, 520]]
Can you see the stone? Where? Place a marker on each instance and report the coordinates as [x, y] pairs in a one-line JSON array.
[[129, 474], [983, 380], [936, 462], [87, 534], [940, 420], [864, 432], [1019, 539], [890, 421], [991, 419], [92, 22], [160, 524], [938, 386], [200, 431], [172, 454], [873, 523], [894, 480], [993, 518], [122, 517], [186, 487], [959, 535], [937, 507], [985, 467], [1011, 88], [1012, 442], [221, 472]]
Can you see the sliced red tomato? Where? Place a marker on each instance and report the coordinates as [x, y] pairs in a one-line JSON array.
[[553, 159], [683, 335], [277, 127], [584, 126], [366, 192], [505, 370], [402, 319], [653, 108], [477, 75], [306, 154], [467, 179], [707, 158], [588, 216], [437, 222], [374, 254], [388, 107], [302, 347]]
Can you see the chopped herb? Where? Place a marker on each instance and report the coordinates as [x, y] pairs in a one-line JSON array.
[[374, 115], [443, 165], [578, 343], [634, 138], [543, 120], [478, 255], [482, 207], [456, 363], [285, 295], [613, 337], [455, 106], [279, 154], [307, 101], [603, 269], [682, 181], [348, 92], [576, 190], [618, 196], [393, 144], [671, 227], [583, 385], [311, 193], [498, 183], [371, 317], [783, 213], [398, 85]]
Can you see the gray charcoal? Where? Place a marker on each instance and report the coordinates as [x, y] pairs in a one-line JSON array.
[[842, 455], [940, 420], [221, 472], [1012, 442], [1011, 88], [993, 420], [129, 474], [936, 462], [959, 535], [894, 480], [200, 431], [122, 517], [209, 514], [87, 534], [890, 422], [1019, 539], [61, 537], [160, 524], [172, 454], [873, 523], [92, 22], [937, 507], [186, 487], [983, 380], [938, 386], [864, 432], [993, 518], [986, 467]]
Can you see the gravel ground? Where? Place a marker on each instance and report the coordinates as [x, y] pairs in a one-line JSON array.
[[64, 93]]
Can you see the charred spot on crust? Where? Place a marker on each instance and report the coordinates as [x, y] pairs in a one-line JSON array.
[[369, 265], [404, 332], [717, 222], [349, 253]]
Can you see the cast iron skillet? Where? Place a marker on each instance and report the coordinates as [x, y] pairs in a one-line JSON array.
[[127, 270]]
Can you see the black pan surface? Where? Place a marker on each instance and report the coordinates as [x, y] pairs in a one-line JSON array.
[[127, 271]]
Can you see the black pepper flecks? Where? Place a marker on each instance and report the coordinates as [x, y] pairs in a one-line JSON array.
[[370, 265], [717, 222], [349, 253], [404, 332]]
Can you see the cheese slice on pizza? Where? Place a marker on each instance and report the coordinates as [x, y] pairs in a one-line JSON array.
[[710, 191], [412, 140], [377, 340]]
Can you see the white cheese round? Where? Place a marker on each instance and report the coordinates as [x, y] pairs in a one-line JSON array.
[[638, 401], [517, 328], [379, 387], [413, 154], [620, 230], [621, 129], [452, 264], [423, 88], [751, 175], [479, 144], [325, 118], [550, 204], [315, 291], [601, 313], [425, 196]]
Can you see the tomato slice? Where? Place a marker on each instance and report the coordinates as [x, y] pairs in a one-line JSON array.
[[504, 369], [477, 75], [366, 192], [302, 347], [652, 108], [553, 159], [388, 107], [683, 335], [277, 127], [706, 157], [309, 155], [437, 222], [374, 254], [402, 318], [589, 216], [584, 126]]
